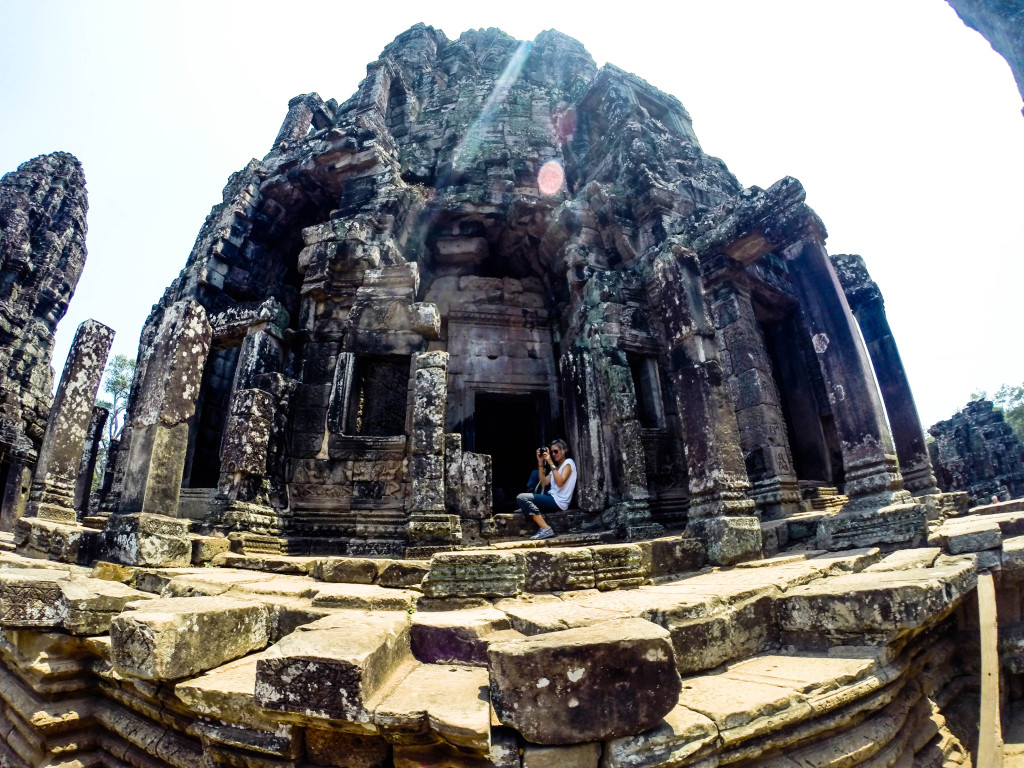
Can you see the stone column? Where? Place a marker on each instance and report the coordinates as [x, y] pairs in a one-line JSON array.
[[297, 122], [171, 373], [907, 432], [15, 493], [430, 526], [872, 477], [880, 511], [721, 512], [762, 425], [243, 461], [91, 452], [608, 448], [108, 470], [60, 456]]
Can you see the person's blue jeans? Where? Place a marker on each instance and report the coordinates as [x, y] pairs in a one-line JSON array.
[[534, 480], [537, 503]]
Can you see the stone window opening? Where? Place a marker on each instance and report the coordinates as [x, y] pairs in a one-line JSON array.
[[650, 408], [379, 396]]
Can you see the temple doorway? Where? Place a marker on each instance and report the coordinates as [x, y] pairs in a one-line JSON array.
[[510, 428]]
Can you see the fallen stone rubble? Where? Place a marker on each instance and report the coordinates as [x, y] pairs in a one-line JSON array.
[[808, 658]]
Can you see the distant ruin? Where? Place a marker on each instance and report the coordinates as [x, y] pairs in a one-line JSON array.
[[977, 452], [305, 552]]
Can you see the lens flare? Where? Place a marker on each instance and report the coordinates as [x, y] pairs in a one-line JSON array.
[[551, 177]]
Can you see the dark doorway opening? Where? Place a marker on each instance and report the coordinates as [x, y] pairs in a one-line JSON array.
[[202, 463], [510, 428]]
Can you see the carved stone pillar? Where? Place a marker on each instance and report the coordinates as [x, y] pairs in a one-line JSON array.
[[429, 524], [762, 426], [243, 461], [872, 477], [90, 454], [15, 493], [165, 404], [721, 512], [880, 511], [907, 433], [608, 448], [60, 456]]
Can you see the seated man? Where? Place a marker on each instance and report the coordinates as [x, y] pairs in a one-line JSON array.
[[557, 473]]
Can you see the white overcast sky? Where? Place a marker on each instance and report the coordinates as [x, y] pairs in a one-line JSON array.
[[903, 125]]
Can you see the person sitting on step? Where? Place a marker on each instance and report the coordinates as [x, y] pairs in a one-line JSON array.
[[557, 473]]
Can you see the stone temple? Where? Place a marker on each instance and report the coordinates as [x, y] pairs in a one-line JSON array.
[[305, 551]]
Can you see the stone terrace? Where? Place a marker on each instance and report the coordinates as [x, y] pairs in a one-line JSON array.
[[524, 655]]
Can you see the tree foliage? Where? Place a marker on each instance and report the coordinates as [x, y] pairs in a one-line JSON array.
[[117, 382], [1010, 399]]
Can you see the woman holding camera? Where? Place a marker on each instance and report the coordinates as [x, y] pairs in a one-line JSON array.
[[558, 474]]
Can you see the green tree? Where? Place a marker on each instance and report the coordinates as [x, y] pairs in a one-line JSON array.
[[1010, 400], [117, 382]]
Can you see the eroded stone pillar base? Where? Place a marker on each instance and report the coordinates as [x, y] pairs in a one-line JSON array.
[[776, 497], [728, 540], [633, 519]]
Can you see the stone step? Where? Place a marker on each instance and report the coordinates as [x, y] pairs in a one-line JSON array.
[[338, 668], [439, 701], [178, 637]]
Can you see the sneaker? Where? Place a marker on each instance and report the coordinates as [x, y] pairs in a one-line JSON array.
[[543, 533]]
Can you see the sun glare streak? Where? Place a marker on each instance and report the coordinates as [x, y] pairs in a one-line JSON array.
[[470, 143]]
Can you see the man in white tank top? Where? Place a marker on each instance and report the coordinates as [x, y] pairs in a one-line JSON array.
[[558, 474]]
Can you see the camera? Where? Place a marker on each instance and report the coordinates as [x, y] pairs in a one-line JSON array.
[[542, 450]]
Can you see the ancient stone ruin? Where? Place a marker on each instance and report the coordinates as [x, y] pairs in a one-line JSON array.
[[306, 551], [42, 253], [977, 452]]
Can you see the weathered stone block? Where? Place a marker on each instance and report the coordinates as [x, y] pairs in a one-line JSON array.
[[577, 756], [205, 548], [729, 540], [364, 597], [172, 638], [900, 524], [346, 750], [31, 597], [475, 574], [536, 617], [403, 573], [438, 701], [676, 554], [968, 535], [558, 570], [338, 667], [90, 605], [706, 642], [858, 606], [455, 637], [605, 681], [351, 570], [618, 566], [149, 540], [682, 733]]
